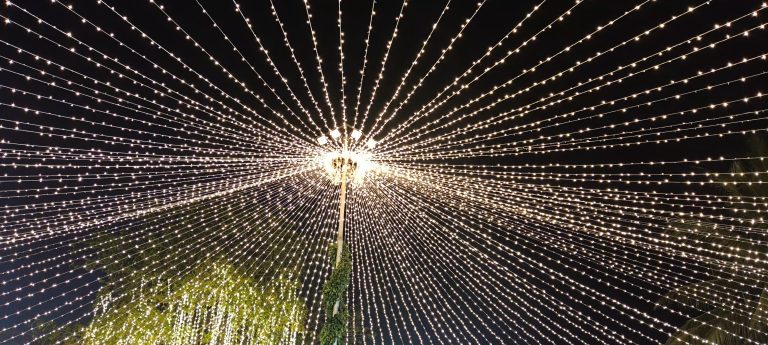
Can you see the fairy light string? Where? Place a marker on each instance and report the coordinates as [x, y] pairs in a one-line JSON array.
[[557, 186]]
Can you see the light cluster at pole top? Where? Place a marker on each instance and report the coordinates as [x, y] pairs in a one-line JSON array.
[[344, 157]]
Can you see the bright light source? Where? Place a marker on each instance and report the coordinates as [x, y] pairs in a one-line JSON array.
[[351, 166], [322, 140], [371, 143], [356, 134], [335, 134]]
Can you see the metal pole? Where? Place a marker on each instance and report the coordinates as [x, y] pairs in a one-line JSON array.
[[340, 232]]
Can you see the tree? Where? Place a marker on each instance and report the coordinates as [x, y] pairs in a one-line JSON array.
[[217, 304], [158, 287], [733, 301]]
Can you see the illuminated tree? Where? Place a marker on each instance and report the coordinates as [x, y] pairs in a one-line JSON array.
[[217, 305], [212, 301]]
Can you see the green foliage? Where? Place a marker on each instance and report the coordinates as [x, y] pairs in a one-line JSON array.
[[335, 326], [215, 305], [741, 285], [336, 285], [159, 288]]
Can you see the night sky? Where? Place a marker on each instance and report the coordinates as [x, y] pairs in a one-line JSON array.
[[531, 202]]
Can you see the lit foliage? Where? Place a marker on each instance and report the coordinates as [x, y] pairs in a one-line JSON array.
[[334, 291], [215, 304], [194, 298]]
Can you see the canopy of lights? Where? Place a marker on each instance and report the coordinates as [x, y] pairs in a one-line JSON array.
[[377, 172]]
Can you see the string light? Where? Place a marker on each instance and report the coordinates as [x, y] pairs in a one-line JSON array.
[[552, 187]]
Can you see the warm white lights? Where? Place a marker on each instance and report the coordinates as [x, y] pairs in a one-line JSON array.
[[493, 197], [348, 160], [353, 165]]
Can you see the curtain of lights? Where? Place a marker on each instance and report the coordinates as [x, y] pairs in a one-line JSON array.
[[533, 172]]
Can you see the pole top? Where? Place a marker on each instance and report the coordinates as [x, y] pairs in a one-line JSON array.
[[347, 159]]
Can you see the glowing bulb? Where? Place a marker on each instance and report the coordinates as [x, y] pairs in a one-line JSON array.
[[322, 140], [356, 134], [346, 165], [335, 134], [371, 143]]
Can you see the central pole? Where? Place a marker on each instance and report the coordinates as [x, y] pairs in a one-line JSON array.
[[340, 232]]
